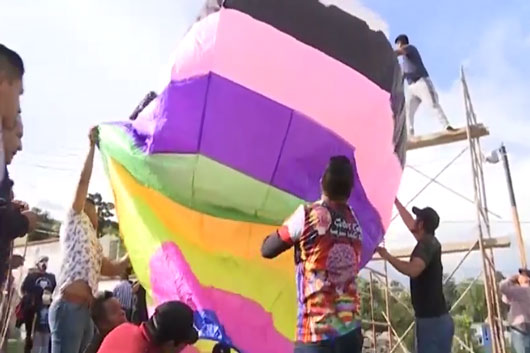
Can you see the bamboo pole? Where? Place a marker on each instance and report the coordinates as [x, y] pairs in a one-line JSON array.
[[372, 309]]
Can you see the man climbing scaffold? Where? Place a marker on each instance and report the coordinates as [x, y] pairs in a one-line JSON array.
[[420, 86]]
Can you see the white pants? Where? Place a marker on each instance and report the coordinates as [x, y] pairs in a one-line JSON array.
[[423, 91]]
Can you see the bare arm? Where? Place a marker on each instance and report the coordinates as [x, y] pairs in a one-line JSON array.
[[412, 268], [114, 268], [405, 215], [512, 290], [84, 180]]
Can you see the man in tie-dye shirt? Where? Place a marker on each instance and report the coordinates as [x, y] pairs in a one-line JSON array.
[[327, 242]]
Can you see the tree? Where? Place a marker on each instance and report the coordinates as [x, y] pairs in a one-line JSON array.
[[464, 331], [450, 292], [48, 226], [106, 223], [400, 316]]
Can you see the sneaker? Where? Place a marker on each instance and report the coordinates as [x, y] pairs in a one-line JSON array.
[[450, 129]]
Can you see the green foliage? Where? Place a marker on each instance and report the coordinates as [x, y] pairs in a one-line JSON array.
[[48, 226], [106, 223], [470, 309]]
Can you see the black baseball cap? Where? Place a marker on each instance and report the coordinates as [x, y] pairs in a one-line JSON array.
[[173, 320], [428, 216], [524, 271]]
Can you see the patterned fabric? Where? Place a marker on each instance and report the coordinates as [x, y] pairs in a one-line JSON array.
[[327, 240], [82, 254]]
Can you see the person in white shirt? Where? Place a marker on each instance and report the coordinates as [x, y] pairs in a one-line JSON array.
[[82, 264]]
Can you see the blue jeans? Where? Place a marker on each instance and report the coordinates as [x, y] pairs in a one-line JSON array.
[[520, 341], [71, 327], [434, 334], [349, 343]]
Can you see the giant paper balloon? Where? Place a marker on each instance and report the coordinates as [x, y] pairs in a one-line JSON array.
[[261, 94]]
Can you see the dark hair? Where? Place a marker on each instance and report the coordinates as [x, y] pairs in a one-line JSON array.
[[402, 38], [221, 348], [337, 182], [97, 311], [11, 63], [172, 321]]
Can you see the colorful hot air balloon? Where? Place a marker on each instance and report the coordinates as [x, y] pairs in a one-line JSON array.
[[262, 93]]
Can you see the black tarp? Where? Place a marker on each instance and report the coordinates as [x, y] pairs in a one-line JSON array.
[[329, 29]]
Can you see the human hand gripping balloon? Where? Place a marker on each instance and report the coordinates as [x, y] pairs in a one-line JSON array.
[[382, 252], [94, 136]]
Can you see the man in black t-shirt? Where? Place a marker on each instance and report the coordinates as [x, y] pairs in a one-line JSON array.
[[434, 325]]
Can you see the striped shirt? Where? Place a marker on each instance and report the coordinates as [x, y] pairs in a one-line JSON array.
[[123, 292]]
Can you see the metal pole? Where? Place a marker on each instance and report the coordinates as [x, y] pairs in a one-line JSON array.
[[387, 306], [515, 213]]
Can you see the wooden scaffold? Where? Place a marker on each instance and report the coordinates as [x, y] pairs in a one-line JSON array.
[[484, 244]]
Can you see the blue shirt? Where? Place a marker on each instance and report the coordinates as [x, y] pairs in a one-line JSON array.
[[413, 68]]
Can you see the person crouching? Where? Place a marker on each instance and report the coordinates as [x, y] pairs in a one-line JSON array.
[[169, 330]]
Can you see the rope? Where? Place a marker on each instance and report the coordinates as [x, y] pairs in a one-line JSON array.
[[8, 302]]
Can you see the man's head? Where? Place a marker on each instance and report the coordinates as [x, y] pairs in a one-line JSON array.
[[171, 327], [106, 312], [11, 72], [427, 221], [401, 41], [92, 212], [337, 182], [42, 263], [524, 277], [13, 140]]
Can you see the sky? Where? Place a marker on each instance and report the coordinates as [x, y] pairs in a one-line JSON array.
[[92, 61]]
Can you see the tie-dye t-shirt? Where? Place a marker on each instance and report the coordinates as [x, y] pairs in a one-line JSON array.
[[327, 241]]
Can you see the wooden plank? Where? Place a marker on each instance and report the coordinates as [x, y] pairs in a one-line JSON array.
[[445, 137], [453, 248]]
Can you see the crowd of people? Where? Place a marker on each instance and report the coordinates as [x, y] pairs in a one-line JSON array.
[[60, 313], [74, 317]]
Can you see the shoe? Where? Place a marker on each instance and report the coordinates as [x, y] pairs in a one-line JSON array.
[[450, 129]]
